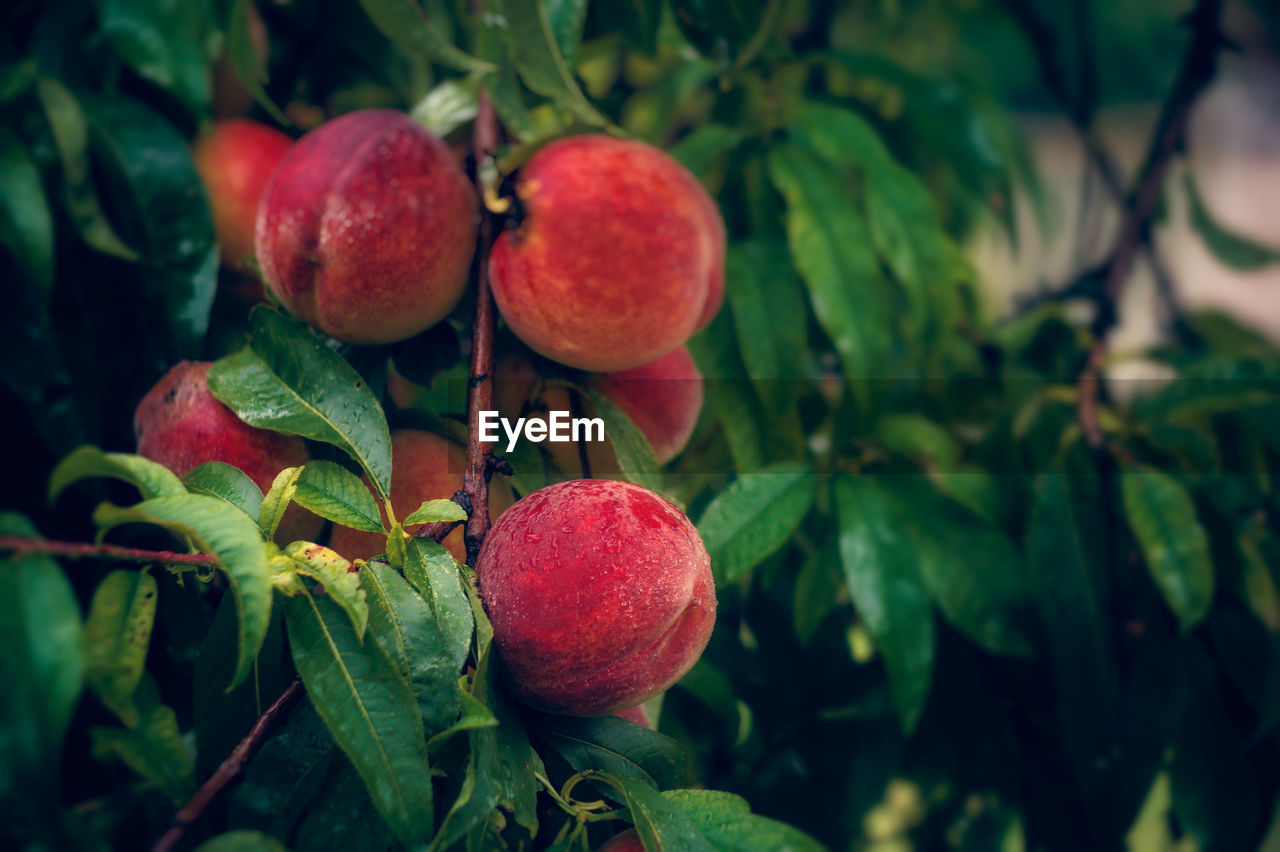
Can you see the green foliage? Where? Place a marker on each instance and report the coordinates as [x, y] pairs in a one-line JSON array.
[[944, 620]]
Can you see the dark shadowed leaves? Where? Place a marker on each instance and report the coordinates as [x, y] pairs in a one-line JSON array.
[[613, 745]]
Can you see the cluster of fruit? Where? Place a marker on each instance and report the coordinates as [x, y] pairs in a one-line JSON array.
[[600, 592]]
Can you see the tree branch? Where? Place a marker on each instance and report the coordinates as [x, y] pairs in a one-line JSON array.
[[228, 771], [1196, 71], [20, 546]]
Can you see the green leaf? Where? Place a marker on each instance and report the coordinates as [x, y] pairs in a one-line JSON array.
[[1174, 545], [660, 822], [437, 576], [221, 480], [338, 495], [637, 20], [541, 63], [341, 815], [283, 778], [705, 147], [153, 748], [631, 448], [156, 186], [718, 28], [817, 586], [1215, 384], [475, 715], [448, 106], [42, 669], [26, 222], [1236, 251], [402, 623], [291, 382], [726, 821], [434, 511], [71, 135], [337, 581], [244, 58], [566, 19], [748, 521], [165, 42], [368, 708], [880, 566], [242, 840], [831, 245], [918, 437], [228, 535], [403, 22], [613, 745], [503, 85], [117, 636], [277, 500], [150, 478]]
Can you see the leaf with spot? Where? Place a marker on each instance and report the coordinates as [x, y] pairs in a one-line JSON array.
[[335, 578], [117, 635]]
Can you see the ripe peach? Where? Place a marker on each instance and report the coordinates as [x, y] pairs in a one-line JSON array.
[[367, 228], [235, 161], [600, 594], [612, 266], [424, 466], [181, 425], [663, 398]]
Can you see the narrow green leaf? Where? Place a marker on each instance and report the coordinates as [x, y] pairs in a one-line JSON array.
[[219, 479], [42, 669], [748, 521], [291, 382], [71, 135], [610, 744], [1233, 249], [26, 222], [434, 511], [165, 42], [880, 566], [631, 448], [831, 245], [920, 438], [404, 23], [150, 478], [402, 623], [368, 708], [726, 821], [437, 576], [277, 500], [117, 635], [1163, 517], [153, 748], [541, 63], [338, 495], [566, 19], [244, 58], [228, 535]]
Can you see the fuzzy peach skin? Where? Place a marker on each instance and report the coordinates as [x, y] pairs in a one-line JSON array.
[[600, 594], [367, 228], [424, 466], [611, 266], [181, 425], [236, 160], [663, 398]]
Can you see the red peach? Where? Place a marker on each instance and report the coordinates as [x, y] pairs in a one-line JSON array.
[[636, 715], [611, 267], [367, 228], [181, 425], [424, 466], [600, 594], [235, 161]]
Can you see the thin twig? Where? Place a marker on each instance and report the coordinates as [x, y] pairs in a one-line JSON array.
[[228, 771], [20, 546], [1196, 71], [475, 480]]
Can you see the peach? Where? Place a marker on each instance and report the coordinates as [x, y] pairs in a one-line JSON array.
[[612, 264], [181, 425], [424, 466], [636, 715], [367, 228], [600, 594], [235, 160], [663, 399]]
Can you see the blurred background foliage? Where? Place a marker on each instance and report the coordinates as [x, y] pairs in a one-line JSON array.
[[946, 621]]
